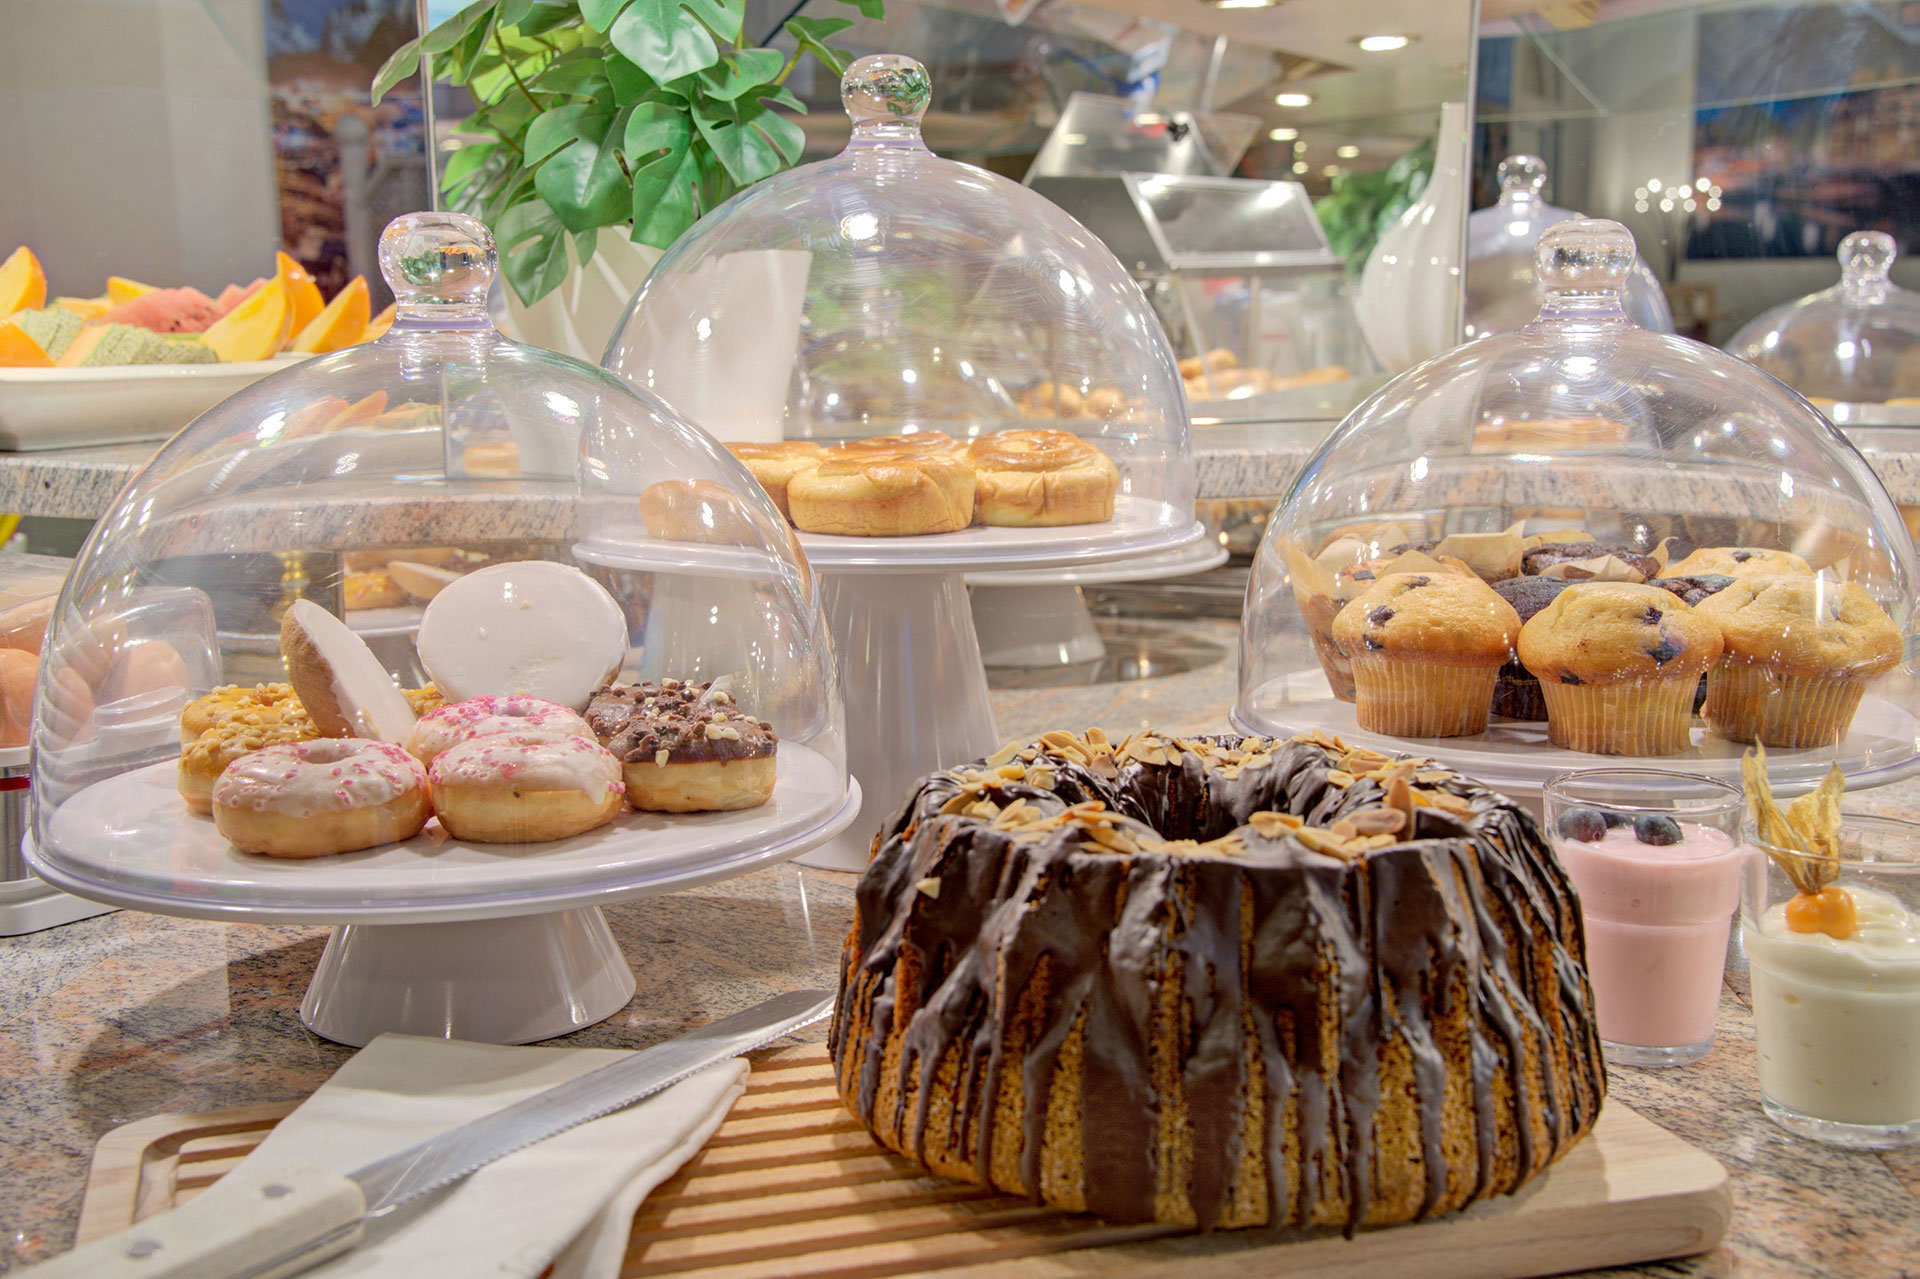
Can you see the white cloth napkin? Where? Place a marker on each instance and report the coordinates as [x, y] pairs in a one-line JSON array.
[[567, 1201]]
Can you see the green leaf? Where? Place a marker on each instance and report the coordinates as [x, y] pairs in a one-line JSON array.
[[581, 73], [464, 54], [665, 197], [455, 29], [875, 9], [662, 42], [403, 62], [812, 33], [513, 12], [585, 242], [582, 178], [630, 83], [724, 18], [545, 16], [654, 127], [781, 95], [601, 13], [746, 152], [465, 162], [741, 72], [533, 250]]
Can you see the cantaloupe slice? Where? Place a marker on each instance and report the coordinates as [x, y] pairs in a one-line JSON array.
[[121, 289], [85, 308], [379, 324], [23, 285], [340, 324], [254, 330], [301, 289], [18, 351]]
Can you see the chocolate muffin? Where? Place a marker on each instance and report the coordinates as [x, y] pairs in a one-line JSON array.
[[1516, 694], [1692, 589], [1542, 558]]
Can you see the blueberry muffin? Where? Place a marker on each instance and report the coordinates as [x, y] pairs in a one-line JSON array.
[[1618, 664], [1800, 652], [1542, 558], [1426, 650], [1516, 695], [1739, 561]]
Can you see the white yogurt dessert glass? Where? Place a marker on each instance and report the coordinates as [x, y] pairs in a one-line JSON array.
[[1656, 857], [1836, 1009]]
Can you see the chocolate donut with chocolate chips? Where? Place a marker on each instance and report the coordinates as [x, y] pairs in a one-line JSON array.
[[1218, 982], [685, 747]]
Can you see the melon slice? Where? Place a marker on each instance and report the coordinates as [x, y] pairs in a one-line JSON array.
[[88, 309], [18, 351], [120, 289], [340, 324], [53, 328], [23, 285], [301, 289], [254, 330], [378, 325]]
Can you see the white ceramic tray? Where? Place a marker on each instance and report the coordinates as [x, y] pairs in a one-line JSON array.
[[74, 408], [1138, 525], [1883, 745], [130, 840], [1195, 557]]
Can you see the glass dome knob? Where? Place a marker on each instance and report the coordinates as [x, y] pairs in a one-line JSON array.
[[1584, 258], [1866, 257], [435, 260], [1523, 175], [886, 94]]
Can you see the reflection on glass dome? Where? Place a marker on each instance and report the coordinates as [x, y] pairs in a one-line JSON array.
[[1578, 453], [440, 491], [887, 291], [1855, 343], [1502, 291]]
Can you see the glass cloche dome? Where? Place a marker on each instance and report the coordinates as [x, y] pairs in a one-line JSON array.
[[494, 517], [888, 291], [1857, 343], [1544, 477], [1502, 291]]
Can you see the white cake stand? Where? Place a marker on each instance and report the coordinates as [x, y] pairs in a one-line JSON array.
[[499, 943], [1040, 618], [910, 665], [1882, 746]]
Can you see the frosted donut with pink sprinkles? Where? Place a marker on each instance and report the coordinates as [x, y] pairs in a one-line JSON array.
[[484, 716]]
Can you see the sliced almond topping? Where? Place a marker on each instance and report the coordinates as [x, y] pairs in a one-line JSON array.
[[1004, 754], [931, 887], [1377, 821]]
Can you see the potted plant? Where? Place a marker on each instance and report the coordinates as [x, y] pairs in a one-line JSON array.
[[597, 114]]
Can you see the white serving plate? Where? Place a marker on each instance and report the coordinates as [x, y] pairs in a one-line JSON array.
[[1515, 756], [74, 408], [130, 840]]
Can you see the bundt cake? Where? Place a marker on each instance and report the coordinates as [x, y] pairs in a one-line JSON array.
[[1218, 982]]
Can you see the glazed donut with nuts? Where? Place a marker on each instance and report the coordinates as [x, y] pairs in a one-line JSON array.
[[685, 748]]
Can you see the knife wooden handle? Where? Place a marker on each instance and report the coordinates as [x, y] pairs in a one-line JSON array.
[[248, 1225]]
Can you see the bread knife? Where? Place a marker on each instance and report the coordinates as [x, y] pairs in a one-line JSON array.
[[272, 1222]]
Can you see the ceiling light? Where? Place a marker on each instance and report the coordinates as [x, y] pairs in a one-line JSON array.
[[1382, 44], [1244, 4], [1282, 135], [1347, 152], [1331, 171], [1299, 166], [1293, 99]]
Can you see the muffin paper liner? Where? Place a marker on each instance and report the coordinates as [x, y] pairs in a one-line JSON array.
[[1749, 701], [1649, 717], [1408, 698]]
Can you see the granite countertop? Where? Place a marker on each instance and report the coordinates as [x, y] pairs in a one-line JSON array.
[[127, 1015]]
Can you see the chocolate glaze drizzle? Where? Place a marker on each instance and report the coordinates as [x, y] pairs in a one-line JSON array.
[[676, 722], [994, 941]]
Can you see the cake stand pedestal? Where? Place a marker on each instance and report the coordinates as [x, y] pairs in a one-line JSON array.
[[488, 942], [911, 672], [1040, 617]]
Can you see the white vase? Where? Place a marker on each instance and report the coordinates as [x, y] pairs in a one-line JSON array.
[[578, 317], [1410, 290]]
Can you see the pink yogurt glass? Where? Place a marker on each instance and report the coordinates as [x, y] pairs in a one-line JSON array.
[[1657, 913]]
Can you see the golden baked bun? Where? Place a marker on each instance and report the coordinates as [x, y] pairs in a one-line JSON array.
[[696, 511], [372, 589], [884, 495], [491, 461], [916, 444], [1050, 399], [1217, 360], [19, 672], [1041, 479], [775, 465]]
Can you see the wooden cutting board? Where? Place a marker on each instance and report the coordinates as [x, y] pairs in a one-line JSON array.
[[791, 1187]]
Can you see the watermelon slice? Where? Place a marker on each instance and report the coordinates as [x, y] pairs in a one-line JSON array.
[[184, 310], [233, 295]]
